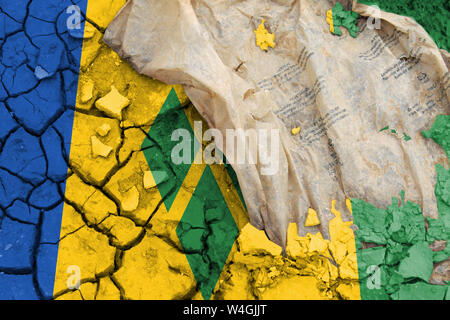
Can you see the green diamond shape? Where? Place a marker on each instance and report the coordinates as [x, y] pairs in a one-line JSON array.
[[207, 232], [158, 146]]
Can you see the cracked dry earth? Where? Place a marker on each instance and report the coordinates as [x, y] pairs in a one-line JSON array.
[[39, 72], [71, 141]]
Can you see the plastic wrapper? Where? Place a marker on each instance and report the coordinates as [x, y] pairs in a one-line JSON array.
[[341, 91]]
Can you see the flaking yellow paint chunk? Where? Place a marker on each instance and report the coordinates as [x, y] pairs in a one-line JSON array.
[[254, 240], [348, 202], [113, 103], [130, 200], [318, 243], [149, 182], [264, 39], [87, 91], [296, 131], [99, 149], [103, 130], [330, 20], [312, 219]]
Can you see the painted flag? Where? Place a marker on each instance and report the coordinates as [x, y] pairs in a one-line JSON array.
[[93, 205]]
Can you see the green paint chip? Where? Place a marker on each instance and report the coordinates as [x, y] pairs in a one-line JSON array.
[[421, 291], [440, 256], [408, 260], [406, 223], [371, 222], [418, 263], [406, 137], [440, 132], [391, 279], [395, 252], [346, 19], [372, 257], [436, 230]]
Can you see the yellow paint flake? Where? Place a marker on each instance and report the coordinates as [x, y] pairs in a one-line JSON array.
[[340, 231], [87, 291], [79, 192], [318, 243], [130, 199], [348, 202], [72, 296], [76, 222], [339, 250], [99, 149], [252, 240], [103, 11], [312, 254], [113, 103], [296, 131], [103, 130], [294, 248], [264, 39], [312, 219], [349, 268], [274, 272], [87, 90], [330, 20], [333, 270], [149, 182], [333, 209]]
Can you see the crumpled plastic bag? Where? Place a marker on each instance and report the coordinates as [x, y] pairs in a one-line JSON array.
[[341, 91]]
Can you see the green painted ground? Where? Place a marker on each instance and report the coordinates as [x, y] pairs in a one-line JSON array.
[[433, 15], [401, 263]]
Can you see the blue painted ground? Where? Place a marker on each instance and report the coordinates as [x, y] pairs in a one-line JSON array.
[[39, 66]]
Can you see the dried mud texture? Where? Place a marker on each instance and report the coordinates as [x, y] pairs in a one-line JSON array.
[[38, 72], [115, 227]]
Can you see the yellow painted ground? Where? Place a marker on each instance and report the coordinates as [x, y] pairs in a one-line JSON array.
[[117, 237]]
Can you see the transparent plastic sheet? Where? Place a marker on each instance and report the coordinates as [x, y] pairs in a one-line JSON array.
[[340, 90]]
